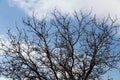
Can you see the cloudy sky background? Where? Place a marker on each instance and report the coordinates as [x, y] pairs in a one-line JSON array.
[[42, 7], [12, 11]]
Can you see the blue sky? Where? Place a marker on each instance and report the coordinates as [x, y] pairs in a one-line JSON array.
[[12, 11], [9, 15]]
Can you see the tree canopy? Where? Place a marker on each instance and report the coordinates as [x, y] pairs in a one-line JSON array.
[[80, 47]]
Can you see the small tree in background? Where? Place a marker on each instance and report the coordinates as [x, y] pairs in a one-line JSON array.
[[80, 47]]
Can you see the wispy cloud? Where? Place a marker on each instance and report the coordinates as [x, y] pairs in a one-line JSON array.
[[42, 7]]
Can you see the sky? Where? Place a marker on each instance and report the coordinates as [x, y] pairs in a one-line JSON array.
[[12, 11], [42, 7]]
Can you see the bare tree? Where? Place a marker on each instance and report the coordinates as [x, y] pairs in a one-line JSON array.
[[80, 47]]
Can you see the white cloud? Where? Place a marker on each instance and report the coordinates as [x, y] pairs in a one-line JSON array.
[[42, 7], [4, 78]]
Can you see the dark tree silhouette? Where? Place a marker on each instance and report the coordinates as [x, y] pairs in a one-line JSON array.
[[80, 47]]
